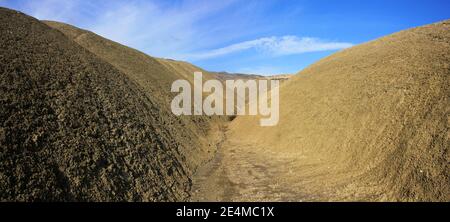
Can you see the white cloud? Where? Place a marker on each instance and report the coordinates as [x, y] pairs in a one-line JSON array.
[[158, 28], [62, 11], [179, 30], [275, 46], [155, 28]]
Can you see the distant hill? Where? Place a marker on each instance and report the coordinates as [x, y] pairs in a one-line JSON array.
[[223, 76]]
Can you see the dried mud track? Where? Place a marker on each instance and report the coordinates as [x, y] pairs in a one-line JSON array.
[[236, 173]]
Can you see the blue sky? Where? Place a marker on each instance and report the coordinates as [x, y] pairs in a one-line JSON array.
[[248, 36]]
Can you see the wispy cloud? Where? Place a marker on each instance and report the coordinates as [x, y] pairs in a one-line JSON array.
[[195, 30], [159, 28], [57, 10], [274, 46]]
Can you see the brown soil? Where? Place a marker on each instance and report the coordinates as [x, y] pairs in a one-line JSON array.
[[239, 173], [83, 118], [75, 127], [155, 77], [369, 123]]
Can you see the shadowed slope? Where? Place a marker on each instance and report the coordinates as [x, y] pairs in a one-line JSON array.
[[154, 75], [74, 127]]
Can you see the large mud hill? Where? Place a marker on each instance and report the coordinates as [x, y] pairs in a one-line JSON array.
[[74, 127], [155, 76], [367, 123]]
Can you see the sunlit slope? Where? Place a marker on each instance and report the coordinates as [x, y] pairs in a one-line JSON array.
[[75, 127], [368, 123]]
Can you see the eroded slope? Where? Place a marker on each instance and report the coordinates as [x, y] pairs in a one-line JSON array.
[[74, 127], [367, 123]]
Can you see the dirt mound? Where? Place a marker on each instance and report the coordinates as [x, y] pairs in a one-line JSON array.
[[85, 118], [367, 123], [76, 126], [155, 76]]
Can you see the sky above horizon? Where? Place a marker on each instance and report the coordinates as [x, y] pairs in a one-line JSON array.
[[239, 36]]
